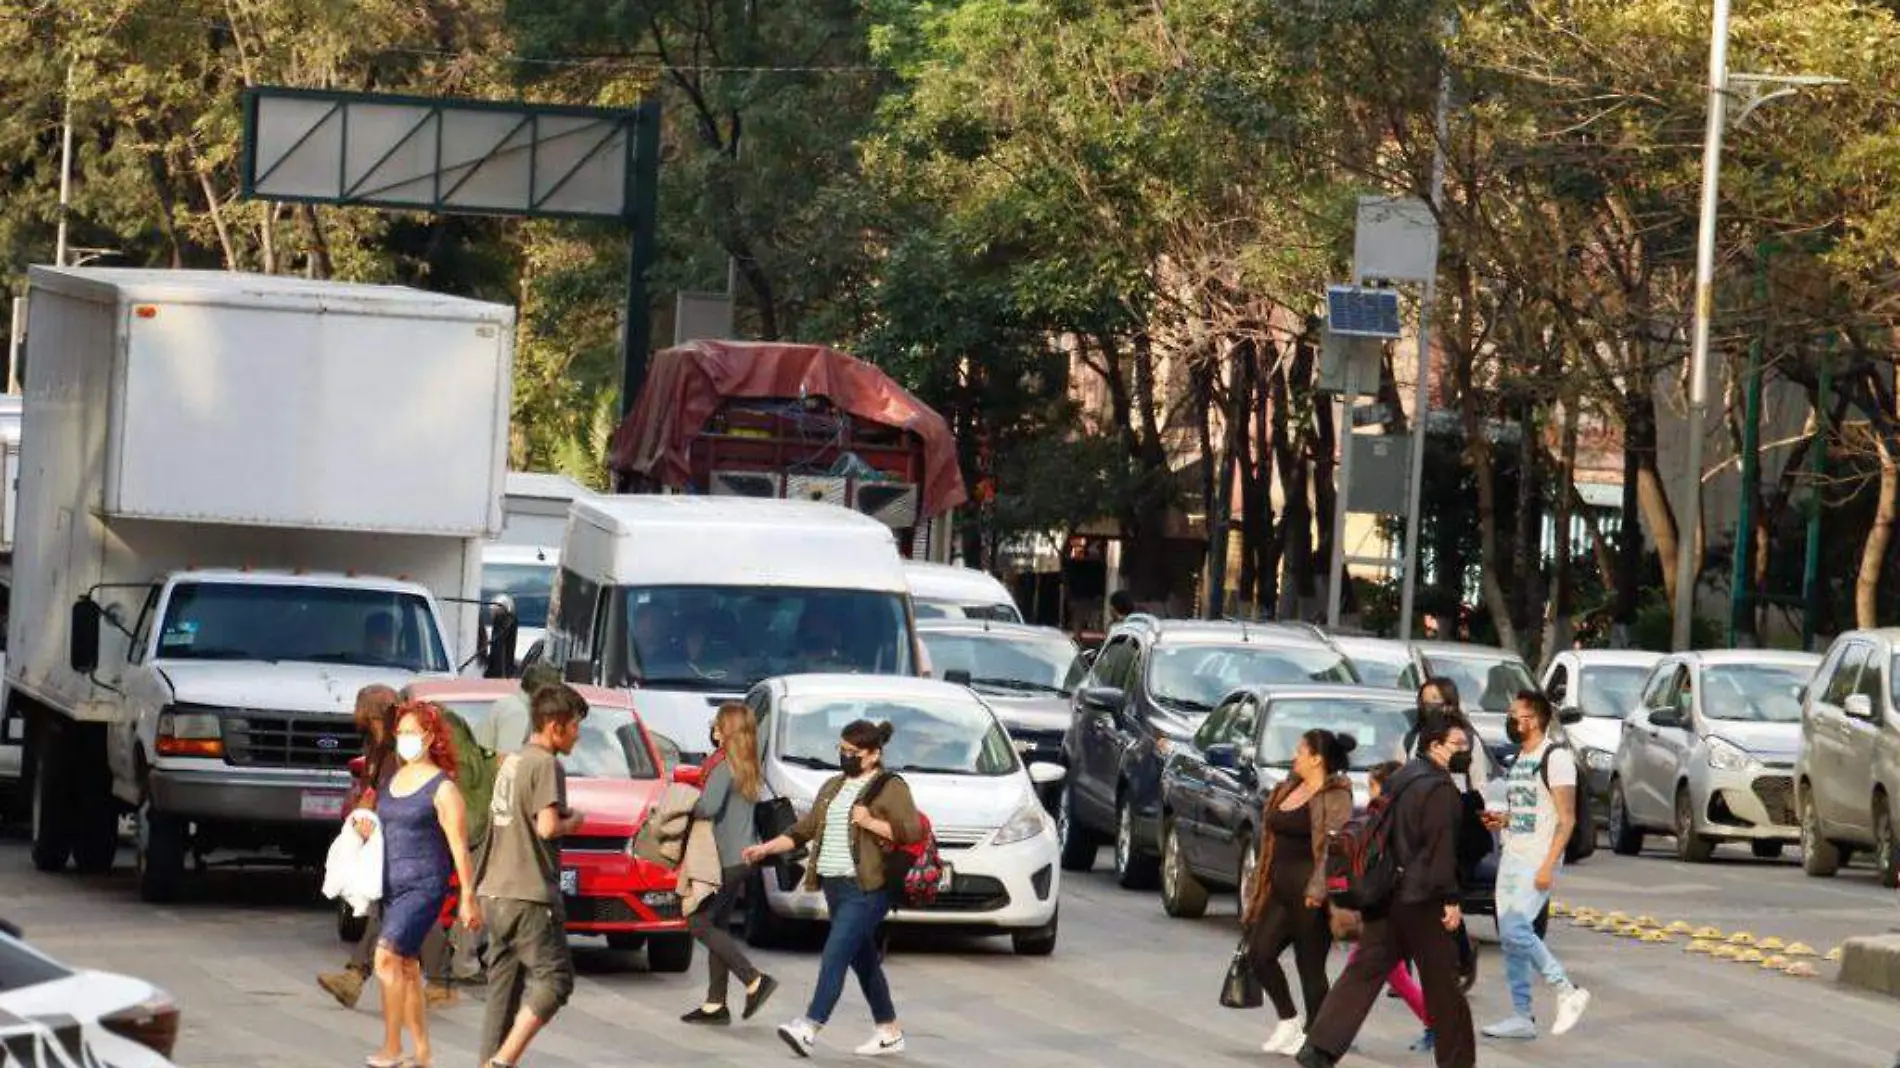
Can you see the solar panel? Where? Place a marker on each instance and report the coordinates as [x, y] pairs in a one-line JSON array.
[[1355, 312]]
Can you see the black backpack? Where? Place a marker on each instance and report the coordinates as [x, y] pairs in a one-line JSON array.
[[1363, 869], [1583, 837]]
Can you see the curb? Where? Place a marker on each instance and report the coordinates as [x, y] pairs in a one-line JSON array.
[[1872, 963]]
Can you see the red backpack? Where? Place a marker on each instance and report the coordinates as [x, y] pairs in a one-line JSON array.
[[914, 873]]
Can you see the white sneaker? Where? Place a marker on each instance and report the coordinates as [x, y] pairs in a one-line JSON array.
[[883, 1044], [801, 1034], [1287, 1038], [1570, 1008]]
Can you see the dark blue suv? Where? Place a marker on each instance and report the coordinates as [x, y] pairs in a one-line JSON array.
[[1145, 694]]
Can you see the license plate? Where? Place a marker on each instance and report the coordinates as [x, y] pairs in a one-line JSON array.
[[945, 877], [570, 882], [321, 805]]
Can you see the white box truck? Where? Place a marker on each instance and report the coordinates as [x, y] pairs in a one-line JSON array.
[[241, 499]]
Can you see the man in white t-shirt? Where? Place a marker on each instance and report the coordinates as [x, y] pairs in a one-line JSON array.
[[1541, 812]]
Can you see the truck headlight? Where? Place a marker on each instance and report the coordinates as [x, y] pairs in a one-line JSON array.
[[1725, 755], [1598, 759], [1029, 821], [190, 734]]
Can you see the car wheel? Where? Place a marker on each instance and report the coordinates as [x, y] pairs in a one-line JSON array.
[[1133, 871], [1626, 839], [1078, 845], [1036, 941], [52, 803], [1691, 847], [670, 954], [161, 855], [96, 845], [1249, 863], [1182, 895], [349, 926], [1886, 849], [1819, 857], [626, 941]]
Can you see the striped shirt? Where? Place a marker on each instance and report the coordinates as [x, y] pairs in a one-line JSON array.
[[834, 850]]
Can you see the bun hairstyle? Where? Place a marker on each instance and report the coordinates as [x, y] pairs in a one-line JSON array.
[[1333, 749], [868, 736]]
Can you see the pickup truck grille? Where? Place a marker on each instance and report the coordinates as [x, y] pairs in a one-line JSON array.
[[284, 740]]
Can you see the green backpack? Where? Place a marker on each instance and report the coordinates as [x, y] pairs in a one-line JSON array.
[[475, 770]]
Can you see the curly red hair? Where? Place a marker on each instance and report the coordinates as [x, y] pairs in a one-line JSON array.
[[434, 722]]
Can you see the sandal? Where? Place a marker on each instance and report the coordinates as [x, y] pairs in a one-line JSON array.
[[374, 1061]]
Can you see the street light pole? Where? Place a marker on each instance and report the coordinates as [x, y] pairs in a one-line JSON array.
[[1689, 514], [65, 171]]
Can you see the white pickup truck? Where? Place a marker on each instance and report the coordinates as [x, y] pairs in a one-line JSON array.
[[241, 499]]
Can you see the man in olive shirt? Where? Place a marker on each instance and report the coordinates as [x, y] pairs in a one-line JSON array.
[[518, 878]]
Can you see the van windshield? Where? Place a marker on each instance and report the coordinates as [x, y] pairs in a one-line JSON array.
[[724, 638], [325, 624], [531, 585]]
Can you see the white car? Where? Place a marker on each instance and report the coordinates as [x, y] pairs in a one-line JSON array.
[[995, 837], [1847, 780], [56, 1016], [1596, 689], [945, 591], [1708, 755]]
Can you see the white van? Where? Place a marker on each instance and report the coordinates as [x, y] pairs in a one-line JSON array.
[[691, 601], [945, 591]]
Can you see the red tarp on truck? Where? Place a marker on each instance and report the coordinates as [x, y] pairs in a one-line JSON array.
[[687, 384]]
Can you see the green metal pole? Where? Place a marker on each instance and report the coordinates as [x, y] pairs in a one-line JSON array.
[[1817, 469], [1742, 580]]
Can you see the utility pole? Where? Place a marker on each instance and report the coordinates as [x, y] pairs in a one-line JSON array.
[[65, 170]]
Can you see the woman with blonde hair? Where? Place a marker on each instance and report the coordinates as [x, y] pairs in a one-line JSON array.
[[731, 783]]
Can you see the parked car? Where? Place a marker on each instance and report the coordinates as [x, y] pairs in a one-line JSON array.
[[1212, 791], [1488, 680], [614, 777], [1383, 662], [1023, 673], [1847, 774], [1709, 755], [91, 1018], [997, 842], [1594, 689], [945, 591], [1145, 695]]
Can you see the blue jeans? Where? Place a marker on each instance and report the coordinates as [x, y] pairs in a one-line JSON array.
[[1518, 903], [852, 943]]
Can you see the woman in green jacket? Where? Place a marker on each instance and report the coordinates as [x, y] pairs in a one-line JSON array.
[[856, 819]]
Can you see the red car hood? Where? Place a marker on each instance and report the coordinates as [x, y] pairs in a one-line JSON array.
[[613, 807]]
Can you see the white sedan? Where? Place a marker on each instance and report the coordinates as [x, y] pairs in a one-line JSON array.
[[63, 1017], [996, 839]]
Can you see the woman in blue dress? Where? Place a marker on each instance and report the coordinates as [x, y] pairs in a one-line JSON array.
[[425, 837]]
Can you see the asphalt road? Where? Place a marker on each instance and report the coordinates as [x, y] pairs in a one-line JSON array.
[[1127, 986]]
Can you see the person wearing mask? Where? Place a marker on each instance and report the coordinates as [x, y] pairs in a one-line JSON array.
[[732, 783], [508, 724], [530, 970], [425, 833], [1417, 926], [858, 815], [1400, 979], [1438, 697], [1541, 813], [376, 723], [1286, 904]]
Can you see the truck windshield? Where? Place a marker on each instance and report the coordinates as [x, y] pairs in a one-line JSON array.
[[326, 624], [531, 585], [725, 638]]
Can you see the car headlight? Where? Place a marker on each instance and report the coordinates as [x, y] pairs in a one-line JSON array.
[[1029, 821], [1598, 759], [1725, 755]]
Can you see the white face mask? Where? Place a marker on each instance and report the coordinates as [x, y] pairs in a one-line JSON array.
[[410, 748]]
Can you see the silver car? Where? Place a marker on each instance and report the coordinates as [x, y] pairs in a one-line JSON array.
[[1708, 755], [1848, 775]]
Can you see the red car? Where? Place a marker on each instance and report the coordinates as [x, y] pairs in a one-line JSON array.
[[615, 776]]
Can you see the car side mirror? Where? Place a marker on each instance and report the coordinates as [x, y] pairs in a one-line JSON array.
[[687, 775], [1223, 755], [501, 641], [578, 672], [1108, 699], [1570, 715], [82, 651], [1859, 706], [957, 677], [1043, 773]]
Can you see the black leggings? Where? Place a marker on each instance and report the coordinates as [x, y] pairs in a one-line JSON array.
[[1286, 921]]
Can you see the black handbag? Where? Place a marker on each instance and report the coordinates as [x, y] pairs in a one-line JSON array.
[[772, 817], [1241, 988]]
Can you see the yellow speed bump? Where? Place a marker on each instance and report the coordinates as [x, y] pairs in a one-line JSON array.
[[1772, 943], [1631, 930], [1801, 969], [1584, 919], [1699, 945], [1741, 938], [1680, 927], [1657, 937], [1801, 949], [1647, 922], [1559, 908], [1774, 963], [1618, 917], [1834, 954], [1750, 955], [1725, 952], [1713, 933]]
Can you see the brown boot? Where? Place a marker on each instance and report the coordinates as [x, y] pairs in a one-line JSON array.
[[439, 995], [345, 986]]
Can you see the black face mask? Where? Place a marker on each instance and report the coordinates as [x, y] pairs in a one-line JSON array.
[[852, 764], [1460, 762], [1514, 732], [1433, 708]]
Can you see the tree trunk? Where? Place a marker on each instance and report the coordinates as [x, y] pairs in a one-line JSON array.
[[1479, 456], [1201, 377], [1295, 541], [1873, 555], [1558, 636], [1267, 545], [1526, 575], [1325, 437]]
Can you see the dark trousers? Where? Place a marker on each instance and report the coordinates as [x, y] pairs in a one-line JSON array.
[[529, 966], [711, 924], [1286, 923], [435, 948], [1413, 933], [851, 945]]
